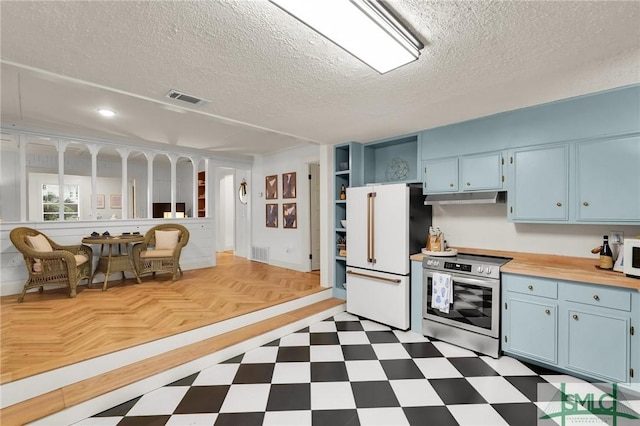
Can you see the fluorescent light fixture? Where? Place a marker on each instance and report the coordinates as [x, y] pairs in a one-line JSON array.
[[106, 112], [363, 28]]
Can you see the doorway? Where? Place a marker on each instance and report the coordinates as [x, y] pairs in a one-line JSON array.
[[232, 213], [225, 210]]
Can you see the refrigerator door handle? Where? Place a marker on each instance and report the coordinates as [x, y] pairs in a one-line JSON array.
[[371, 220], [369, 208], [375, 277]]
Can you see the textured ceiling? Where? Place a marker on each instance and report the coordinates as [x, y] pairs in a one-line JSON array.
[[274, 83]]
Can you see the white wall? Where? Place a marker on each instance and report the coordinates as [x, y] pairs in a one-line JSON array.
[[486, 226], [243, 214], [289, 248], [9, 181], [327, 212]]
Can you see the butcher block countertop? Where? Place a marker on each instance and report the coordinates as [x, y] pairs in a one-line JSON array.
[[552, 266]]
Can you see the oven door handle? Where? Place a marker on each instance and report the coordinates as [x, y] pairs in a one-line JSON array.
[[467, 280]]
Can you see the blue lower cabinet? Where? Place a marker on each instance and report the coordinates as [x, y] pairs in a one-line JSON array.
[[598, 345], [533, 329], [587, 330]]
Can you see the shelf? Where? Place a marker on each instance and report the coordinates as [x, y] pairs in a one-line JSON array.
[[392, 161], [202, 180], [347, 172]]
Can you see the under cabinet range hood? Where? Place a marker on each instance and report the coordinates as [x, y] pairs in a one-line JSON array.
[[466, 198]]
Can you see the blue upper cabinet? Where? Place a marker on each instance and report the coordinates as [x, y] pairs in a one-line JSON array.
[[440, 175], [481, 172], [571, 161], [539, 184], [608, 180]]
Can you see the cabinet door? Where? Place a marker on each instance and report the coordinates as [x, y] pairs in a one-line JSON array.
[[608, 180], [440, 175], [481, 172], [598, 345], [378, 297], [358, 252], [389, 229], [540, 188], [532, 329]]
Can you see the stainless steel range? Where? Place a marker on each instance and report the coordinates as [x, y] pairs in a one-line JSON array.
[[473, 317]]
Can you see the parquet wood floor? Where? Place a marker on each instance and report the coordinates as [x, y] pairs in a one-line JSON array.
[[50, 330]]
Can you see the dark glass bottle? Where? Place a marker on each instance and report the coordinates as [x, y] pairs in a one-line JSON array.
[[606, 256], [343, 192]]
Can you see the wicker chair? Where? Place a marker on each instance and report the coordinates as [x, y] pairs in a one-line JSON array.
[[161, 258], [61, 266]]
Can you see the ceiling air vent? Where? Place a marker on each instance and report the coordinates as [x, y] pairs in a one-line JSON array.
[[181, 96]]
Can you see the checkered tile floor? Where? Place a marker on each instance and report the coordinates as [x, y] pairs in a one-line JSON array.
[[346, 371]]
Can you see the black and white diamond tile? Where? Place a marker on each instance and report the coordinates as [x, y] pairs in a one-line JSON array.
[[346, 371]]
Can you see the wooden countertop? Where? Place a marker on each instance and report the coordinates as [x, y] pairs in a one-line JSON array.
[[552, 266]]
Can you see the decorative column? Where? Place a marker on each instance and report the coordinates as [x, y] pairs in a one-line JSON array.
[[124, 154], [94, 149], [61, 146], [23, 141], [150, 156], [174, 160]]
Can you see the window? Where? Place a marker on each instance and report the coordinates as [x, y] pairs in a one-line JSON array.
[[51, 199]]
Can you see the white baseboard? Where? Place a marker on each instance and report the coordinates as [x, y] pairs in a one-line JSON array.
[[288, 265]]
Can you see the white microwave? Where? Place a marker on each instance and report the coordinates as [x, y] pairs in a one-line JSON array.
[[631, 266]]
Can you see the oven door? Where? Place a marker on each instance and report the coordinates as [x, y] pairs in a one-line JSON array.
[[475, 307]]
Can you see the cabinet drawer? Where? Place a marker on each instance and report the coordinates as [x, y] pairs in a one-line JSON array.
[[531, 285], [599, 296]]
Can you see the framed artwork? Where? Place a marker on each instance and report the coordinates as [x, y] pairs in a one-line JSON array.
[[115, 201], [100, 201], [271, 187], [289, 185], [289, 216], [271, 216]]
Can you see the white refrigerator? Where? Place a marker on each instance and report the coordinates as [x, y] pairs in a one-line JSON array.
[[379, 242]]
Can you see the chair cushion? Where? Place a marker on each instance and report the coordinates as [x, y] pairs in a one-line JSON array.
[[167, 240], [39, 243], [80, 259], [156, 253]]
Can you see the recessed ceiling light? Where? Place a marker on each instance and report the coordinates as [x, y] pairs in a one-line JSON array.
[[106, 112]]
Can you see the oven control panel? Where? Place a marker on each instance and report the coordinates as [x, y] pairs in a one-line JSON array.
[[478, 266], [457, 266]]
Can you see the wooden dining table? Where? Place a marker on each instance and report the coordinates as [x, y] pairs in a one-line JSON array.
[[111, 262]]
